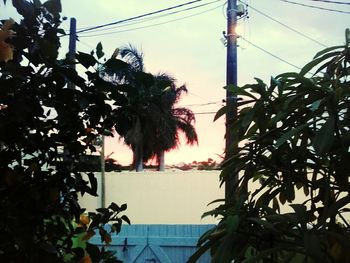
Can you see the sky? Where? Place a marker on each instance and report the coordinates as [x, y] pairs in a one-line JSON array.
[[188, 46]]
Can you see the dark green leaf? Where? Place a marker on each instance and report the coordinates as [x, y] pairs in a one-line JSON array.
[[307, 68], [249, 114], [313, 246], [326, 50], [48, 49], [331, 211], [300, 211], [99, 51], [125, 219], [123, 207], [235, 91], [221, 112], [232, 223], [289, 134], [262, 255], [102, 210], [61, 31], [47, 247], [115, 65], [93, 251], [201, 250], [93, 184], [24, 8], [114, 207], [53, 6], [224, 252], [324, 138], [86, 60], [265, 224]]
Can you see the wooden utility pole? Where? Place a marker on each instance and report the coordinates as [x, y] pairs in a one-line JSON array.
[[231, 100]]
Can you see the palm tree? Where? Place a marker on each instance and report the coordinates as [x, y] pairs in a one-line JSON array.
[[172, 119], [150, 123]]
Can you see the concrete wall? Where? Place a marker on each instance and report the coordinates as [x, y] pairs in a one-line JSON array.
[[171, 197]]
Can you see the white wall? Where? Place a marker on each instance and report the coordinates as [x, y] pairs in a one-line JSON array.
[[171, 197]]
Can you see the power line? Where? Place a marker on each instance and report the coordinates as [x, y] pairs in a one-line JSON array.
[[138, 20], [316, 7], [331, 2], [198, 96], [139, 16], [202, 104], [85, 44], [208, 112], [152, 25], [285, 25], [269, 53], [152, 18]]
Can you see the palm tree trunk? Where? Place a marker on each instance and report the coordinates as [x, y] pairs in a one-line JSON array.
[[138, 158], [161, 161]]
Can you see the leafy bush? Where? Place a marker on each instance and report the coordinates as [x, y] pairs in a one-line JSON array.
[[293, 140], [39, 118]]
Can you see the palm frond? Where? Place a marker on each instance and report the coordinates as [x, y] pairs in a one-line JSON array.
[[185, 114], [179, 91], [189, 132], [133, 57]]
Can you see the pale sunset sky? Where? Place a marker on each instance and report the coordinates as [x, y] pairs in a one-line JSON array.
[[187, 45]]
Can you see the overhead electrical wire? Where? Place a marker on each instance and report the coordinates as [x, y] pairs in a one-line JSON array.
[[316, 7], [271, 54], [285, 25], [142, 20], [163, 10], [198, 96], [85, 44], [331, 2], [189, 105], [208, 112], [202, 104], [152, 25], [138, 17]]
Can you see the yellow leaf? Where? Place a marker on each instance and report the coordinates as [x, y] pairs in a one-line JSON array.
[[84, 219], [6, 52], [8, 24], [85, 259], [5, 31]]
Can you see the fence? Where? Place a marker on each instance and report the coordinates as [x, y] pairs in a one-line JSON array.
[[156, 243]]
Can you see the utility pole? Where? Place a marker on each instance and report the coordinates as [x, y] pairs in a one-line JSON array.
[[103, 179], [71, 56], [231, 145], [72, 45]]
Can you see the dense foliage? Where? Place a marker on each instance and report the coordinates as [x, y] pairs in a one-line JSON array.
[[293, 169], [41, 118]]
